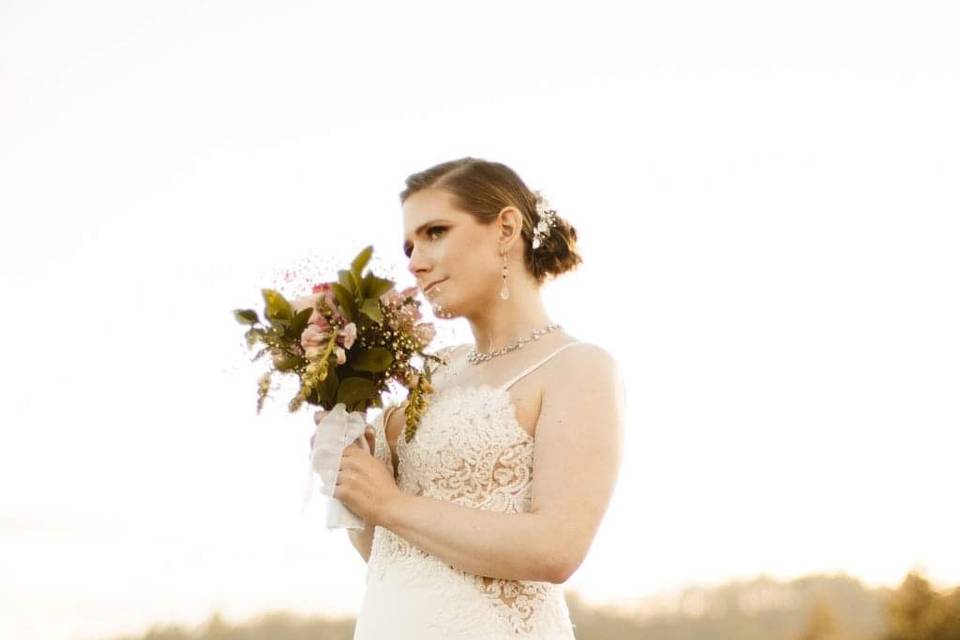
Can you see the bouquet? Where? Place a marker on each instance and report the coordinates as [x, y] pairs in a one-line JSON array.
[[345, 342]]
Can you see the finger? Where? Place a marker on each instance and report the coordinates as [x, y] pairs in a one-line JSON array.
[[356, 442]]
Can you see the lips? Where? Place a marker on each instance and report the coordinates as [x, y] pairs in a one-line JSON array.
[[431, 286]]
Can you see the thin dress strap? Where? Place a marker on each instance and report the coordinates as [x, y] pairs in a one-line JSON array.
[[509, 383]]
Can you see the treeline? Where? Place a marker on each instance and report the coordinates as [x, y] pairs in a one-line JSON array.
[[917, 611], [914, 611], [834, 607]]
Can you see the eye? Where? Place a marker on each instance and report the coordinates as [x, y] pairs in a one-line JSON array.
[[407, 250]]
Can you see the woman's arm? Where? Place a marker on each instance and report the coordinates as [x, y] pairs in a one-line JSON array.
[[512, 546], [362, 539], [577, 458]]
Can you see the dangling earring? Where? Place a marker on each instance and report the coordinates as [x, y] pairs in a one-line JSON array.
[[504, 291]]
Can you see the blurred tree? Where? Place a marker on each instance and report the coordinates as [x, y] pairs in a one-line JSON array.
[[916, 611], [821, 623]]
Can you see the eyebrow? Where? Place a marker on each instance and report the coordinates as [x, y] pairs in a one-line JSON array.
[[421, 228]]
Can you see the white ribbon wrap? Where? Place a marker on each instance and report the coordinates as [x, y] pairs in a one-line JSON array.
[[334, 431]]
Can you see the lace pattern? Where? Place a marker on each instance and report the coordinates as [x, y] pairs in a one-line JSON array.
[[469, 449]]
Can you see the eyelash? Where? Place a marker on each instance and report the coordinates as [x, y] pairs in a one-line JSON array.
[[429, 231]]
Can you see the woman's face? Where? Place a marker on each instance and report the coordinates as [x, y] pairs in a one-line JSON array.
[[448, 246]]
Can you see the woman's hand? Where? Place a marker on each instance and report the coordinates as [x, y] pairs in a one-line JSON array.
[[364, 483]]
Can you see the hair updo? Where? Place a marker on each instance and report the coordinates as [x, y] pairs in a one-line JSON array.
[[482, 189]]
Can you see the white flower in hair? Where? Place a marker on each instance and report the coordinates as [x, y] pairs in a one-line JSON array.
[[546, 219]]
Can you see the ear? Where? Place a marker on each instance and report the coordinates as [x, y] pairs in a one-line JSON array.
[[511, 225]]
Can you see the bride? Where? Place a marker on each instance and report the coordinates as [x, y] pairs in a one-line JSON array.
[[475, 522]]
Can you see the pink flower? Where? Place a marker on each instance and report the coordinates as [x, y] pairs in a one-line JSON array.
[[391, 298], [331, 299], [332, 303], [317, 320], [341, 354], [349, 334], [424, 332], [313, 336], [325, 290], [322, 287]]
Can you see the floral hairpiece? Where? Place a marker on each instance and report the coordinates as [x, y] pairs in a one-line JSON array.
[[546, 219]]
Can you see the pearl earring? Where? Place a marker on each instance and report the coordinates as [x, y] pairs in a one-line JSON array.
[[504, 291]]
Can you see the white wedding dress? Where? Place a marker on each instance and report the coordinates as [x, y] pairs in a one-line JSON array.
[[468, 449]]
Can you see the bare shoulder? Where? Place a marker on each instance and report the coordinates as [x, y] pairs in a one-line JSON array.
[[585, 360], [585, 369]]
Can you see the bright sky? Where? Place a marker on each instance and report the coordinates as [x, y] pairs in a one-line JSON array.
[[767, 202]]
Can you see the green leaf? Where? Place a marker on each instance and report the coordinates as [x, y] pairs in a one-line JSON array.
[[278, 310], [361, 261], [288, 362], [300, 322], [246, 316], [371, 309], [349, 281], [327, 390], [374, 287], [355, 392], [347, 304], [374, 360], [253, 336]]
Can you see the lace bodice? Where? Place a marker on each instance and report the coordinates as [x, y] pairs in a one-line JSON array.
[[451, 459], [469, 449]]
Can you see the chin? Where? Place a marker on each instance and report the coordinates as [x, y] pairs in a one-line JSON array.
[[445, 313], [442, 310]]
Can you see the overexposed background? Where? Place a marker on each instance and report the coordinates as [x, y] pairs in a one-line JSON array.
[[766, 196]]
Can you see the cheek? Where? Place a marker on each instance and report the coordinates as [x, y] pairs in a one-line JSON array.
[[453, 251], [465, 258]]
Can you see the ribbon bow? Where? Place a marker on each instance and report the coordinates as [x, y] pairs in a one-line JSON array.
[[337, 429]]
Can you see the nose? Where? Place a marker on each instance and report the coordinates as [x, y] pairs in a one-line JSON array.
[[419, 266]]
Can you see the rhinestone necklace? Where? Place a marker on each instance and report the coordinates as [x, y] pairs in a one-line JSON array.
[[475, 357]]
